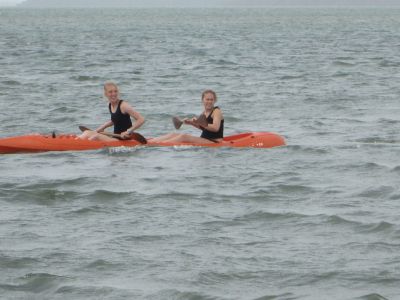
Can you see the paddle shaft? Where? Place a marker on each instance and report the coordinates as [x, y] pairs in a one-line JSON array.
[[134, 135]]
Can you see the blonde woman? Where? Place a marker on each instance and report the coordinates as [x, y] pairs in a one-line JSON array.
[[121, 113]]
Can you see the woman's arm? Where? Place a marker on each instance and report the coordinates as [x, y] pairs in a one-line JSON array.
[[139, 120], [104, 126], [192, 121]]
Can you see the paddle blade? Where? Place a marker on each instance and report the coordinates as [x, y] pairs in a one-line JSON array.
[[202, 121], [177, 122], [83, 128], [138, 137]]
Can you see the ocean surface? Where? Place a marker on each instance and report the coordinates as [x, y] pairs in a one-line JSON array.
[[316, 219]]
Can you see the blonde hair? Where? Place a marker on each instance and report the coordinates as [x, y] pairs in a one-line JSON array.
[[209, 92], [108, 83]]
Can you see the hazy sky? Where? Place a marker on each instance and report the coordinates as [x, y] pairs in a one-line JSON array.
[[276, 2], [9, 2]]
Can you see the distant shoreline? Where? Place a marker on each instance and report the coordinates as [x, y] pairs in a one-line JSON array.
[[397, 6], [204, 3]]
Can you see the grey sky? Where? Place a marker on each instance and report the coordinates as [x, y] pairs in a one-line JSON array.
[[9, 2], [208, 2]]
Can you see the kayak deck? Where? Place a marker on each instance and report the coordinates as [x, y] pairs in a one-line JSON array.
[[69, 142]]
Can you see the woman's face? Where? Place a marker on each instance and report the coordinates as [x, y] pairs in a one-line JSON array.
[[111, 92], [208, 101]]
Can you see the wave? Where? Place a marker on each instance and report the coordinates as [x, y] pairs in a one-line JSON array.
[[41, 196], [291, 77], [285, 296], [263, 215], [388, 122], [377, 140], [65, 119], [58, 183], [88, 210], [35, 283], [379, 227], [63, 110], [11, 83], [316, 278], [107, 195], [101, 264], [337, 220], [342, 58], [309, 149], [223, 62], [16, 262], [341, 63], [180, 295], [340, 74], [87, 78], [366, 228], [395, 197], [214, 277], [377, 192], [89, 292], [389, 64], [50, 192], [146, 238], [366, 166], [372, 296]]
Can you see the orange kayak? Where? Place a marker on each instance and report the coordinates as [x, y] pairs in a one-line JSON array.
[[68, 142]]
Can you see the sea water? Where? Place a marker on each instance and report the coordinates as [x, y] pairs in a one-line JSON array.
[[316, 219]]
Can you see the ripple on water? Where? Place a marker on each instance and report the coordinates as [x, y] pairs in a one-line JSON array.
[[106, 265], [109, 196], [373, 296], [178, 294], [341, 63], [11, 83], [41, 196], [36, 283], [12, 262], [381, 192], [80, 291], [284, 296], [385, 63], [263, 216], [82, 78]]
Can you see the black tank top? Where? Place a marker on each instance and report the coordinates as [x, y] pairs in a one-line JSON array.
[[210, 135], [122, 122]]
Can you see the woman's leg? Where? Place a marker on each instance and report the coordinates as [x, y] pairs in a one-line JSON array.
[[94, 136], [164, 138], [187, 138], [101, 137], [86, 134]]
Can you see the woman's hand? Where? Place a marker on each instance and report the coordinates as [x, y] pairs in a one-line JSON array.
[[125, 135], [191, 121]]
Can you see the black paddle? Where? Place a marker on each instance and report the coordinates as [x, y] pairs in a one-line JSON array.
[[201, 121], [132, 136]]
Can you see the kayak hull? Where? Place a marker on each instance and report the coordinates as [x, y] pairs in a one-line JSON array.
[[69, 142]]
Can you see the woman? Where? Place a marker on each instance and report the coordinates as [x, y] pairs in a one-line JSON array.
[[213, 132], [121, 113]]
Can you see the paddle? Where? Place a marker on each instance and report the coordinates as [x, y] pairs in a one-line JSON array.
[[134, 135], [201, 121]]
